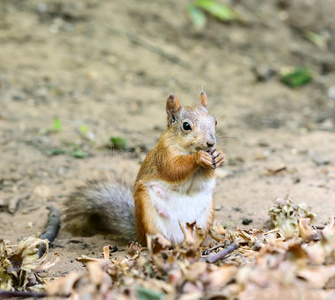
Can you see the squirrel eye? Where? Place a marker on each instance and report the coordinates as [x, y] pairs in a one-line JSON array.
[[186, 126], [216, 122]]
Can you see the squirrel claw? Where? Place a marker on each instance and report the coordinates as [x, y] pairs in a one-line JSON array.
[[218, 158]]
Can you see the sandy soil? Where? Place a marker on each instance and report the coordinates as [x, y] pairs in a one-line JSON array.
[[110, 65]]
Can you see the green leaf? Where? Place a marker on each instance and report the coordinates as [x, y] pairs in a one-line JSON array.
[[83, 129], [197, 17], [57, 125], [119, 143], [79, 154], [222, 12], [146, 294], [316, 39], [297, 77], [57, 151]]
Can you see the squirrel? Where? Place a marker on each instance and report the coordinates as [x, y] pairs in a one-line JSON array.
[[174, 186]]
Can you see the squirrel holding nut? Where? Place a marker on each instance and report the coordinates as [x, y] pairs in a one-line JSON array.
[[174, 186]]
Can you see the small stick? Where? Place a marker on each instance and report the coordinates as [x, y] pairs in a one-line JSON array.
[[51, 229], [13, 203], [222, 254], [216, 247]]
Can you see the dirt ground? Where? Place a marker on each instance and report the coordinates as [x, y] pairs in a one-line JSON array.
[[105, 68]]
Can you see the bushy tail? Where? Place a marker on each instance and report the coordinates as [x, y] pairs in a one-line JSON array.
[[103, 205]]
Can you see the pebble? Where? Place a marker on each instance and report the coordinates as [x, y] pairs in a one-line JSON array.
[[320, 161], [331, 93], [246, 221], [29, 225], [218, 208], [263, 73], [327, 125]]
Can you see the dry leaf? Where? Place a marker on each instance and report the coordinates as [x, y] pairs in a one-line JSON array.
[[317, 276], [20, 269], [285, 215], [277, 264], [307, 232], [275, 170]]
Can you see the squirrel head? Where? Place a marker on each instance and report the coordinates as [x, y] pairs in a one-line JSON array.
[[193, 127]]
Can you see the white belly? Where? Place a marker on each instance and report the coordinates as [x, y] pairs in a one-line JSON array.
[[187, 205]]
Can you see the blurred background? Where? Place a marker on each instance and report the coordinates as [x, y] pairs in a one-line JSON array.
[[82, 80]]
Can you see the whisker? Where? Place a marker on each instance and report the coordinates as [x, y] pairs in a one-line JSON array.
[[228, 143]]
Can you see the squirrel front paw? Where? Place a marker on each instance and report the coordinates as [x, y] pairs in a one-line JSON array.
[[218, 158], [205, 159]]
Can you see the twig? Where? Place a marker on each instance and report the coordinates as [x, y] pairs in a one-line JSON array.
[[222, 254], [216, 247], [19, 294], [13, 203], [51, 229]]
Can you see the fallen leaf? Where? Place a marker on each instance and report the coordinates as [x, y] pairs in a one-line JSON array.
[[275, 170], [307, 232], [297, 77]]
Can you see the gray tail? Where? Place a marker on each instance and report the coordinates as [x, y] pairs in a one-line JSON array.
[[103, 205]]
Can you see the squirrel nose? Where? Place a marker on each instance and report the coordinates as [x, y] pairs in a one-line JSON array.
[[210, 140]]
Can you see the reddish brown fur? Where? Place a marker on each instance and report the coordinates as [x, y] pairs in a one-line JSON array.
[[168, 162], [162, 164], [145, 214]]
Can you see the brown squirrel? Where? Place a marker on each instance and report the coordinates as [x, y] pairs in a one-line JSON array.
[[175, 183]]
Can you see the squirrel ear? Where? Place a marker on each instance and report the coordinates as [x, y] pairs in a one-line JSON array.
[[203, 99], [172, 106]]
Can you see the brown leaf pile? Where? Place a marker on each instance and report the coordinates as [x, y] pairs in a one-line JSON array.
[[285, 215], [249, 264], [21, 269]]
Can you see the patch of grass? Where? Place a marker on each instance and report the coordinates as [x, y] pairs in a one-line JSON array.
[[119, 143], [57, 151], [56, 127], [316, 39], [79, 154], [197, 16], [296, 78], [83, 130], [196, 12]]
